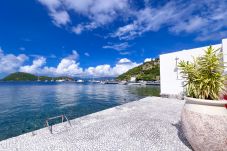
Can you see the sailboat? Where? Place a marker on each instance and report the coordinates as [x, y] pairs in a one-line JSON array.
[[38, 79]]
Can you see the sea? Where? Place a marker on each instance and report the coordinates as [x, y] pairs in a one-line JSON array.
[[24, 106]]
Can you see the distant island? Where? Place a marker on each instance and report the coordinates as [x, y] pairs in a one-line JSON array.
[[148, 71], [22, 76]]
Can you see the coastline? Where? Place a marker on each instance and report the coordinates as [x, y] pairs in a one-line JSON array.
[[136, 125]]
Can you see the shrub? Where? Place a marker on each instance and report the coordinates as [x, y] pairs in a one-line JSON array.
[[204, 76]]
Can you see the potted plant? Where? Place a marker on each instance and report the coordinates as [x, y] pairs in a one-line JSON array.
[[204, 116]]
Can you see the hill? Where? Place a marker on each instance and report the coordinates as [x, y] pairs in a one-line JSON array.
[[148, 71], [22, 76]]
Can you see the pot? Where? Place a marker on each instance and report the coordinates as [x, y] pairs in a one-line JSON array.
[[204, 123]]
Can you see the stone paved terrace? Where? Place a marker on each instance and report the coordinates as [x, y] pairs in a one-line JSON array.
[[148, 124]]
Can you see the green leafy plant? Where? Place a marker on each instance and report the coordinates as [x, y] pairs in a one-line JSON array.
[[204, 76]]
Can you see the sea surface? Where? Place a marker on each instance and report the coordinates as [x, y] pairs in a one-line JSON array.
[[24, 106]]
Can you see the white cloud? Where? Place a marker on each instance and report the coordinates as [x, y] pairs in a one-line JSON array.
[[73, 56], [35, 67], [148, 59], [78, 29], [99, 71], [68, 66], [126, 32], [206, 18], [124, 60], [60, 17], [98, 12], [10, 62], [122, 66], [83, 27], [195, 24], [125, 52], [87, 54], [119, 47], [147, 19]]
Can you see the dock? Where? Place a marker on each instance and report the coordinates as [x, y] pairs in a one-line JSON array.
[[149, 124]]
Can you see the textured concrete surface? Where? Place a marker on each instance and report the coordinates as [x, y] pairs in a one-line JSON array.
[[148, 124], [204, 131]]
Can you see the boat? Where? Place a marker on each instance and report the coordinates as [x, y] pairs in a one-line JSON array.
[[111, 82], [153, 83], [103, 82], [60, 80], [52, 80], [94, 81], [123, 82], [80, 81], [134, 83], [143, 82], [38, 79]]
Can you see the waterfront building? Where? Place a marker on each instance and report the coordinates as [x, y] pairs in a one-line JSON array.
[[170, 78]]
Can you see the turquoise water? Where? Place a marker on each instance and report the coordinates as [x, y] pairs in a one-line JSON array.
[[24, 107]]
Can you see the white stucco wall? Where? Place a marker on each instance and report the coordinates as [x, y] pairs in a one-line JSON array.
[[224, 49], [170, 78]]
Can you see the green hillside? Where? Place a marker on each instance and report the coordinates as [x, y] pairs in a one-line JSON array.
[[22, 76], [148, 71]]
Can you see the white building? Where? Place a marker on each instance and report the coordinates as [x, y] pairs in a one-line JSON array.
[[133, 79], [170, 78]]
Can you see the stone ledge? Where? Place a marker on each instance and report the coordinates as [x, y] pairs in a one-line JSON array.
[[151, 123]]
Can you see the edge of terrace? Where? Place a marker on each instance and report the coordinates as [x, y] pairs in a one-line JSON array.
[[151, 123]]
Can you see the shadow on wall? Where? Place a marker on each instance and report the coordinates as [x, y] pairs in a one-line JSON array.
[[181, 135]]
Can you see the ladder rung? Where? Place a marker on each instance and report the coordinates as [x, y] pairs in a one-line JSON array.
[[52, 118]]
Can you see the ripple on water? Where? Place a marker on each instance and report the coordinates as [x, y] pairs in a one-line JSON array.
[[25, 106]]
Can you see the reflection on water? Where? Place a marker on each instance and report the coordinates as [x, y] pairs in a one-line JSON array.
[[145, 91], [25, 106]]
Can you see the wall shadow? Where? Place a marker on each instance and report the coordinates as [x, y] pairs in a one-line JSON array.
[[181, 136]]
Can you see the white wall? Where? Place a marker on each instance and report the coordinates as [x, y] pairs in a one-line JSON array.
[[170, 78], [224, 49]]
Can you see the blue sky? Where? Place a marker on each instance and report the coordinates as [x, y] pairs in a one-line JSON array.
[[102, 38]]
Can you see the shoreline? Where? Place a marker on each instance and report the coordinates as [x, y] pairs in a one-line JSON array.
[[134, 125]]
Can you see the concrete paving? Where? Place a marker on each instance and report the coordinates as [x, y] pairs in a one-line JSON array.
[[151, 123]]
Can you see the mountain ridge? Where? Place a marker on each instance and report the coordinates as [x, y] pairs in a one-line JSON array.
[[148, 71], [23, 76]]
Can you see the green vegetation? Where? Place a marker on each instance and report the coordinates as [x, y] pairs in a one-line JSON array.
[[148, 71], [204, 77], [22, 76], [144, 91]]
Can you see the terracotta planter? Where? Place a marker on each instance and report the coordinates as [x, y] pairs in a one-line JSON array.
[[204, 123]]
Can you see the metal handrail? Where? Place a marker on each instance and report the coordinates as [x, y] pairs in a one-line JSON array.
[[52, 118]]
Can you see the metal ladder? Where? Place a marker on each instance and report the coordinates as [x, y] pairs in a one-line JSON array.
[[56, 117]]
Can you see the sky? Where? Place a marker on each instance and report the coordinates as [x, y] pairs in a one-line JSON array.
[[102, 38]]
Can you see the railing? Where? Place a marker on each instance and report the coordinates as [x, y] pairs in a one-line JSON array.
[[56, 117]]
